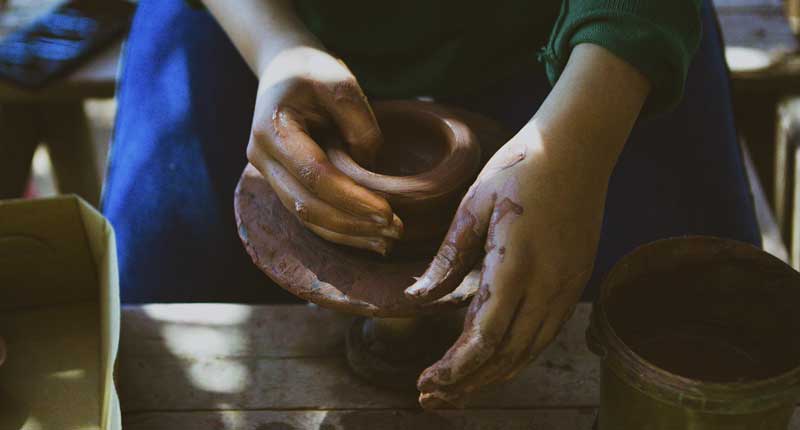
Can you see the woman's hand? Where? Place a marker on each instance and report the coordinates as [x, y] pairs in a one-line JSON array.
[[304, 89], [533, 217], [537, 222]]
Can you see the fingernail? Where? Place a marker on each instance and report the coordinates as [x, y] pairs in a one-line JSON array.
[[380, 246], [391, 232], [397, 223], [420, 288], [441, 400], [380, 220], [395, 230]]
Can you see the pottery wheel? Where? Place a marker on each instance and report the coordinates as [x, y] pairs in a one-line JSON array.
[[335, 276]]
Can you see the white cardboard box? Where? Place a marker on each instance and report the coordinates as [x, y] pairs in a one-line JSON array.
[[59, 315]]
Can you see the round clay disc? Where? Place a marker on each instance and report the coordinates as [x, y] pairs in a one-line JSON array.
[[335, 276], [322, 272]]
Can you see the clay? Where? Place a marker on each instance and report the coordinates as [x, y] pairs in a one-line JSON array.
[[326, 220], [353, 280], [428, 159], [499, 212], [286, 144]]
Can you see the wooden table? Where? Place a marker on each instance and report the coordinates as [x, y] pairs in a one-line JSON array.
[[219, 366]]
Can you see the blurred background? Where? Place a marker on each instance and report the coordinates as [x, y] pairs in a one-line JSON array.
[[55, 138]]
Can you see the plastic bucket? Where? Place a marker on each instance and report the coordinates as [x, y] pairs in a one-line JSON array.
[[698, 333]]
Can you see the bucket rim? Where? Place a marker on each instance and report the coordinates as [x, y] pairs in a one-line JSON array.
[[669, 387]]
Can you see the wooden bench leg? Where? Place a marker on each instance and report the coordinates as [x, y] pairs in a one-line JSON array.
[[771, 239], [65, 129], [18, 141], [787, 174]]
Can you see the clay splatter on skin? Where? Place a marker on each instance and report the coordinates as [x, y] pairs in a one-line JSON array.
[[458, 253], [441, 372], [482, 348], [504, 207], [513, 159], [500, 211]]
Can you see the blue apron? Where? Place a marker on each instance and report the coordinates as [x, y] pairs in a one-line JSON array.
[[186, 103]]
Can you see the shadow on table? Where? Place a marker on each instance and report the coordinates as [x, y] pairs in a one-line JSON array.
[[179, 357]]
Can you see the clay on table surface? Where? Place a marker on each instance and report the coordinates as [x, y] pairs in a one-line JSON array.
[[349, 279]]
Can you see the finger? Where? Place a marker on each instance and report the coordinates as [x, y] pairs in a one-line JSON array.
[[441, 400], [353, 115], [487, 319], [544, 337], [515, 350], [558, 307], [288, 142], [380, 245], [460, 251], [534, 327], [490, 313], [308, 208]]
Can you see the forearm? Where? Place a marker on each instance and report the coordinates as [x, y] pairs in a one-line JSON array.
[[261, 29], [592, 108]]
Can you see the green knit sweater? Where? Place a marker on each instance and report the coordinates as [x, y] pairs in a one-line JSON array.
[[446, 47]]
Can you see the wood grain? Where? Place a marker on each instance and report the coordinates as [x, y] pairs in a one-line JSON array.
[[495, 419], [222, 366], [291, 357]]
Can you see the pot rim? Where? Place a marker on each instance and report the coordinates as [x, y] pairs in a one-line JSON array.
[[651, 380], [462, 154]]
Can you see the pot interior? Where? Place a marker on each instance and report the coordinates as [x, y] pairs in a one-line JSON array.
[[413, 143], [724, 321]]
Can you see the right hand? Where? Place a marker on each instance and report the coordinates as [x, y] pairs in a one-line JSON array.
[[303, 89]]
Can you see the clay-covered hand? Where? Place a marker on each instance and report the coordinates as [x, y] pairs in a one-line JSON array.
[[535, 225], [304, 90], [533, 220]]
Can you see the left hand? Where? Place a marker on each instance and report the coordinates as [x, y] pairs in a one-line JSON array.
[[535, 211], [538, 223]]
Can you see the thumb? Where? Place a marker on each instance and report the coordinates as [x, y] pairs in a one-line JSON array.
[[353, 116], [460, 251]]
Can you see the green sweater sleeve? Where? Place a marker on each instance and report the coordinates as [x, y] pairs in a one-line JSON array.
[[658, 37]]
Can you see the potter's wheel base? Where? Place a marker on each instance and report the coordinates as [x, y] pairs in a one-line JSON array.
[[393, 357]]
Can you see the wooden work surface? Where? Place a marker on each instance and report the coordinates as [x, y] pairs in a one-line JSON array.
[[282, 367]]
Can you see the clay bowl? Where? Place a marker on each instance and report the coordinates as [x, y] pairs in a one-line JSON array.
[[430, 156], [428, 160]]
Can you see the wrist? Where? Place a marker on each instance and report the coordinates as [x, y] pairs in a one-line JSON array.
[[286, 45], [593, 106], [260, 30]]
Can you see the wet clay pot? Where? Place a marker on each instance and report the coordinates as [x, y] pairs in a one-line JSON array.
[[698, 333], [431, 155], [428, 160]]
